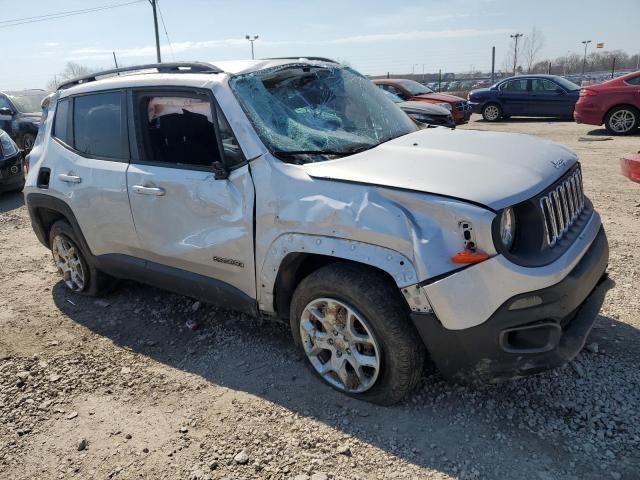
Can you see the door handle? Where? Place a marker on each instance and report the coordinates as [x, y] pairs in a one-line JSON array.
[[69, 178], [142, 190]]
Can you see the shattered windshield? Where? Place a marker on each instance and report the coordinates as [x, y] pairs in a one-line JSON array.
[[315, 112]]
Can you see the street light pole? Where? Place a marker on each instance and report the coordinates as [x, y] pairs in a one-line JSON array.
[[515, 36], [584, 60], [252, 39], [155, 24]]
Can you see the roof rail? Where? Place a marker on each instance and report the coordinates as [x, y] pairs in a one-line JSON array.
[[172, 67], [318, 59]]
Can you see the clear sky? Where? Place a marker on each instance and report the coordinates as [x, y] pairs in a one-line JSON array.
[[374, 36]]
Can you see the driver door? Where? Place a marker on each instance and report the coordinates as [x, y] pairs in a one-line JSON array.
[[194, 227]]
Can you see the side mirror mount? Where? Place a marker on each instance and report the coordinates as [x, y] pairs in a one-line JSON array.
[[219, 171], [6, 111]]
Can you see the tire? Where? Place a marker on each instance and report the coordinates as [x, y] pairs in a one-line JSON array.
[[622, 120], [492, 112], [28, 140], [73, 263], [381, 332]]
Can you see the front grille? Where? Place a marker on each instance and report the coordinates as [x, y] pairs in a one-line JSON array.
[[561, 206], [463, 106]]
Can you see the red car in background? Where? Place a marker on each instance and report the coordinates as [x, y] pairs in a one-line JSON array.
[[615, 103], [412, 91]]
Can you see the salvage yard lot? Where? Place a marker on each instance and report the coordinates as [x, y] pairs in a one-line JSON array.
[[122, 388]]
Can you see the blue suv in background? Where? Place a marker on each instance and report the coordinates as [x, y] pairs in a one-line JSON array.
[[527, 96]]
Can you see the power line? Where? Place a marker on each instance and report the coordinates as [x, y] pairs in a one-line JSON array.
[[165, 31], [54, 16]]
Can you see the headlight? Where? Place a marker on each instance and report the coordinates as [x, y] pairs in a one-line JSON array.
[[507, 227], [421, 118], [445, 105]]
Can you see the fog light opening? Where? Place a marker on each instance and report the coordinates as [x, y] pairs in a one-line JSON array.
[[526, 302]]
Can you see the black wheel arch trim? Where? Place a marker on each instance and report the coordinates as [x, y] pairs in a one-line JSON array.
[[36, 202]]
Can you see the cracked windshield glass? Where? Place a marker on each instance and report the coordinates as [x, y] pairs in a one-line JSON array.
[[309, 113]]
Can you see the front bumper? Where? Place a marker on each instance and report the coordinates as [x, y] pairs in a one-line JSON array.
[[476, 107], [517, 342]]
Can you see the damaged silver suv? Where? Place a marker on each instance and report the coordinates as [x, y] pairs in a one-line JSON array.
[[293, 188]]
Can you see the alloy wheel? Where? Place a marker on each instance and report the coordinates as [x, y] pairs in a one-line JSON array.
[[68, 262], [622, 121], [340, 345], [491, 113]]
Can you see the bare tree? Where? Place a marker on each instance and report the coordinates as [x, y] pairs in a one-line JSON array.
[[533, 43], [71, 70]]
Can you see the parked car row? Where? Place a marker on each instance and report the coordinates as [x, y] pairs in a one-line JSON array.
[[614, 103], [412, 91]]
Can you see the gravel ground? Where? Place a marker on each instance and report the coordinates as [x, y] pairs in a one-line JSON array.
[[146, 384]]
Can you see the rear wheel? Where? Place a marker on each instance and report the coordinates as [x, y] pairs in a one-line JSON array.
[[622, 120], [492, 112], [73, 266], [354, 330]]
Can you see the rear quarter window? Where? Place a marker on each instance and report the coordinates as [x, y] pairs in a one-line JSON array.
[[62, 122]]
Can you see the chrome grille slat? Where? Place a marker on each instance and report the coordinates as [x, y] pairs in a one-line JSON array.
[[561, 207]]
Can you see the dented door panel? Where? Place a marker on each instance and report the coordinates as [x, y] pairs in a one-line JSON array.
[[196, 223]]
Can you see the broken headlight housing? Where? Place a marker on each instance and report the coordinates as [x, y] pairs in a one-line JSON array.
[[507, 227]]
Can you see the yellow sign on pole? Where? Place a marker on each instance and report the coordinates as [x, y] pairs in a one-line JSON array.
[[599, 45]]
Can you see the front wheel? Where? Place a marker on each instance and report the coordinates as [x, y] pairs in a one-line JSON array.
[[622, 120], [355, 332], [491, 112]]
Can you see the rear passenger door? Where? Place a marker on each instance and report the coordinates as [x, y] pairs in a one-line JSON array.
[[514, 97], [187, 220], [88, 160], [549, 99]]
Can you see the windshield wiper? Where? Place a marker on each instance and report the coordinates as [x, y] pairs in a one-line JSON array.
[[332, 153]]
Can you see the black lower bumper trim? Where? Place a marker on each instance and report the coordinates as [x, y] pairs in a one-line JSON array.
[[515, 343]]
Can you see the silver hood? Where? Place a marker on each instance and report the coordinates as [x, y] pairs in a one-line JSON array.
[[490, 168]]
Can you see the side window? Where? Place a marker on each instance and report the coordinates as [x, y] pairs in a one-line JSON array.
[[633, 81], [232, 152], [4, 103], [514, 86], [177, 130], [97, 125], [544, 86], [62, 123]]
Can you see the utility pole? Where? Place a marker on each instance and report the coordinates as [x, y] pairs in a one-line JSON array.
[[515, 36], [613, 67], [584, 60], [155, 24], [423, 73], [493, 65], [252, 39]]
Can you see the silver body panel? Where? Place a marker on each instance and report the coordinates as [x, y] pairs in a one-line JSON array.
[[490, 283], [397, 207], [197, 224], [490, 168]]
